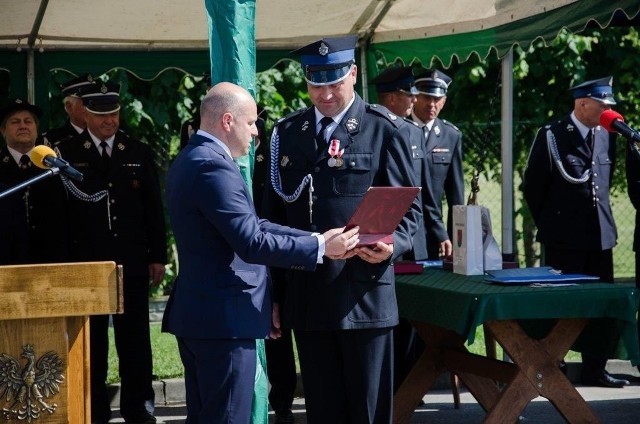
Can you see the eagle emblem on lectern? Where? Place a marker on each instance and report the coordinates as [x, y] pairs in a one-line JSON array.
[[25, 388]]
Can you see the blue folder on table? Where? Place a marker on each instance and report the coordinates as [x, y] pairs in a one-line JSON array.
[[526, 276]]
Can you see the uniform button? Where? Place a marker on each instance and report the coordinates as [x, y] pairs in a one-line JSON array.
[[113, 218], [316, 169], [115, 235], [314, 197], [373, 277], [313, 227], [595, 174], [352, 164], [597, 187], [113, 201], [593, 163], [110, 185]]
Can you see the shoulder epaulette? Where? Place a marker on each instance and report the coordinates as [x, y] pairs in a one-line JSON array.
[[384, 112], [409, 121], [291, 116], [450, 124], [123, 133]]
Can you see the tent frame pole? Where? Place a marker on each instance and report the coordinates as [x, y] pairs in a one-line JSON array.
[[506, 134]]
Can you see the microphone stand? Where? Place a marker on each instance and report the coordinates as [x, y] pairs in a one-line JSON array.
[[46, 174]]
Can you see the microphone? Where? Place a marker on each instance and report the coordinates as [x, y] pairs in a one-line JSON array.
[[612, 121], [44, 157]]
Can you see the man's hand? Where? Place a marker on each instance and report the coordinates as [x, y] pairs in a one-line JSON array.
[[156, 273], [338, 244], [374, 255], [276, 331], [446, 248]]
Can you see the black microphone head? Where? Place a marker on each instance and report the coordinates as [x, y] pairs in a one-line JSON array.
[[608, 117]]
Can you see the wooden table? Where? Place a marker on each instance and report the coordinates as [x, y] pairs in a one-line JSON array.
[[446, 308]]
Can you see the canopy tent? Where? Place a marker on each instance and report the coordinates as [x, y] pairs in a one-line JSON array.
[[149, 36], [152, 35]]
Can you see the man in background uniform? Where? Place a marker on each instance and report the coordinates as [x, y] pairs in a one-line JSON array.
[[396, 91], [566, 186], [632, 171], [342, 314], [117, 215], [443, 148], [74, 108], [29, 216]]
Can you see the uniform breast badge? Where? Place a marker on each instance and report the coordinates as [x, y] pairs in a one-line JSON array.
[[351, 124], [335, 161]]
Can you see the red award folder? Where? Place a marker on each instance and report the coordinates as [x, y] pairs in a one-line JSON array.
[[379, 213]]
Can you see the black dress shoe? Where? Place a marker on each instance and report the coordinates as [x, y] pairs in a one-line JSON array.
[[603, 380], [284, 417], [141, 418]]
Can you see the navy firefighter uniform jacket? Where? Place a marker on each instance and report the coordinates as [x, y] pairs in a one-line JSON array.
[[341, 294], [570, 203]]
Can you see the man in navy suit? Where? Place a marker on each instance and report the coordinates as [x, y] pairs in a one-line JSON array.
[[324, 159], [443, 147], [566, 186], [221, 300]]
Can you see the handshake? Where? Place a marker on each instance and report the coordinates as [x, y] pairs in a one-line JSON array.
[[341, 244]]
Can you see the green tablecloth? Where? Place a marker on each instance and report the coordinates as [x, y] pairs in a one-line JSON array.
[[461, 303]]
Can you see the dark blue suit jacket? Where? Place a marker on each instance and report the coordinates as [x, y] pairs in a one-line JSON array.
[[223, 288]]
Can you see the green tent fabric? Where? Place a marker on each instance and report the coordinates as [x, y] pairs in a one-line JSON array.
[[498, 40], [233, 54], [233, 59]]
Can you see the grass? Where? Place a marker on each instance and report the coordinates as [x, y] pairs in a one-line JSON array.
[[166, 359], [167, 364]]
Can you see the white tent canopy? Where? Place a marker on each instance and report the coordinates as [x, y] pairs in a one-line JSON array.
[[280, 24]]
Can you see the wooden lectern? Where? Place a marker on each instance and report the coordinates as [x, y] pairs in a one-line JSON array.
[[44, 337]]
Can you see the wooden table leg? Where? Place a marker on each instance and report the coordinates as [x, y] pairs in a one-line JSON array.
[[539, 371], [445, 351], [413, 388]]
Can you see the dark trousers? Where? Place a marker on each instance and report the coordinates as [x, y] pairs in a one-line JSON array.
[[133, 344], [347, 375], [637, 255], [219, 376], [590, 262], [433, 246], [407, 348], [281, 370]]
